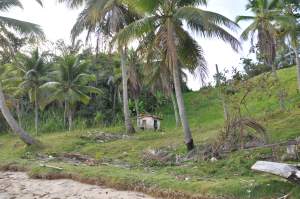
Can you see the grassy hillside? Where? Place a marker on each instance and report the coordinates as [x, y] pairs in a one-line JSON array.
[[124, 168]]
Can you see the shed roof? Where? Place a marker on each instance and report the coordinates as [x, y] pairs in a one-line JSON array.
[[149, 115]]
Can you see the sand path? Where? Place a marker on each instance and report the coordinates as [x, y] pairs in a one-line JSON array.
[[17, 185]]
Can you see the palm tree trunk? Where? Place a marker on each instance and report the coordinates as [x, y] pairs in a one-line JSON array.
[[18, 110], [36, 110], [129, 127], [173, 62], [297, 64], [136, 103], [70, 119], [114, 98], [65, 114], [175, 107], [24, 136]]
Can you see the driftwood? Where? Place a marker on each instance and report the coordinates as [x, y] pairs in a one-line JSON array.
[[287, 171]]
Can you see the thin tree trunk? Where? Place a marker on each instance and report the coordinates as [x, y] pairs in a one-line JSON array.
[[136, 103], [114, 104], [297, 65], [24, 136], [129, 127], [173, 60], [225, 107], [274, 71], [175, 107], [70, 119], [36, 110], [65, 114], [18, 110]]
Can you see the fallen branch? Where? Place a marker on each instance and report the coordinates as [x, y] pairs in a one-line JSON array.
[[51, 167], [286, 143]]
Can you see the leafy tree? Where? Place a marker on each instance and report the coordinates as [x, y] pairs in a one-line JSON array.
[[262, 25], [70, 85], [35, 71], [290, 28], [23, 28], [166, 20], [107, 17]]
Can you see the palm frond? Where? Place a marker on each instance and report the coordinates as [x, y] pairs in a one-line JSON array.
[[244, 18], [192, 14], [7, 4], [72, 3], [22, 27], [136, 30]]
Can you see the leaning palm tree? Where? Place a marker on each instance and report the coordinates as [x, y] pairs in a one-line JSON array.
[[70, 85], [106, 17], [166, 20], [262, 25], [23, 28]]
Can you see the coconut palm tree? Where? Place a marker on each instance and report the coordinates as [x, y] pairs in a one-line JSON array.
[[106, 17], [262, 25], [23, 28], [290, 28], [166, 20], [70, 85], [35, 73], [135, 78]]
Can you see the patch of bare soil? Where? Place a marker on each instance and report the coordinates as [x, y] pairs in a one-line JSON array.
[[17, 185]]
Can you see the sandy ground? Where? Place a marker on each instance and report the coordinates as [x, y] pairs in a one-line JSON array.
[[18, 186]]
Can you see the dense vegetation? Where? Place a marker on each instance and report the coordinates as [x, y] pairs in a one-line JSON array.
[[57, 101]]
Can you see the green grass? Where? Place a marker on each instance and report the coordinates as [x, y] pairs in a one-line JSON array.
[[230, 177]]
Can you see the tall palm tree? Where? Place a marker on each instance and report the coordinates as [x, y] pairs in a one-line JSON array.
[[35, 73], [23, 28], [290, 28], [262, 25], [70, 85], [166, 20], [106, 17], [135, 78]]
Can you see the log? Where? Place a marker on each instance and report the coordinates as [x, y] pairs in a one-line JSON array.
[[287, 171]]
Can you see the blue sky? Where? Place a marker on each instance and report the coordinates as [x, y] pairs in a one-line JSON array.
[[57, 21]]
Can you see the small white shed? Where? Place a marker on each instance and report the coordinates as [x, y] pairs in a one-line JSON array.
[[149, 122]]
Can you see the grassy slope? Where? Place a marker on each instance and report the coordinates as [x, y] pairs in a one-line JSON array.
[[230, 177]]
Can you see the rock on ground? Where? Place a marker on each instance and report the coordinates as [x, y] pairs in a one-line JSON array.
[[17, 185]]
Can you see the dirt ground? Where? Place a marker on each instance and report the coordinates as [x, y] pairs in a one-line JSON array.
[[17, 185]]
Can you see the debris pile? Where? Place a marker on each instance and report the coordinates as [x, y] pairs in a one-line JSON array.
[[159, 157], [101, 137]]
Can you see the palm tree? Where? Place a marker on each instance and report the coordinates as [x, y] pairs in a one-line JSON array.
[[135, 78], [70, 85], [290, 28], [265, 13], [166, 20], [106, 17], [23, 28], [35, 73]]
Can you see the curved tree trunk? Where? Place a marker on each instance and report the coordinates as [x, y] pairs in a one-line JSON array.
[[24, 136], [129, 127], [175, 107], [173, 62]]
